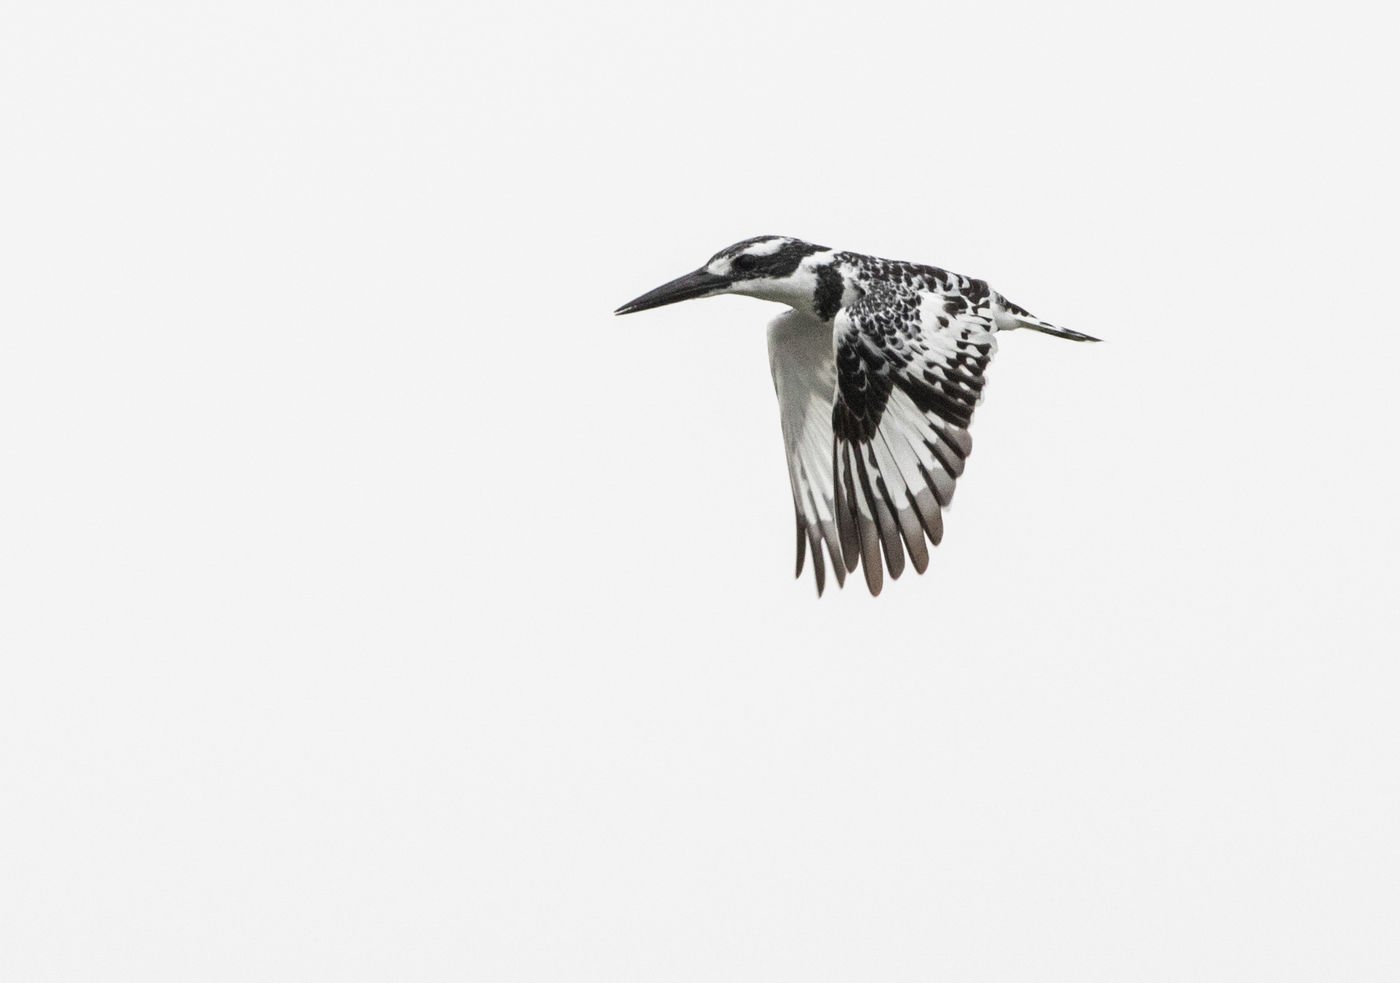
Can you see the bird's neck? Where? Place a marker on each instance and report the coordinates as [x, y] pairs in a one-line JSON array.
[[819, 287], [834, 285]]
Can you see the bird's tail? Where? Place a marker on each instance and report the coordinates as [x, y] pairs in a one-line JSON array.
[[1044, 327], [1009, 316]]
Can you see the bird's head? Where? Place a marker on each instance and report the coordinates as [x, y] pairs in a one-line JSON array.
[[776, 268]]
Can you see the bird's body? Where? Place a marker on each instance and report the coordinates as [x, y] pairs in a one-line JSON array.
[[878, 366]]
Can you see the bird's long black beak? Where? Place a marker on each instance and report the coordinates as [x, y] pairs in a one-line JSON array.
[[688, 287]]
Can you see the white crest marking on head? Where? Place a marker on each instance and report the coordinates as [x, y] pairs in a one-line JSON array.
[[766, 248]]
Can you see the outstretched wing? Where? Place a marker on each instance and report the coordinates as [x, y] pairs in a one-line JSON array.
[[910, 370], [804, 374]]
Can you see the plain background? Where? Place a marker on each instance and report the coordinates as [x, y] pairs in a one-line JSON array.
[[376, 606]]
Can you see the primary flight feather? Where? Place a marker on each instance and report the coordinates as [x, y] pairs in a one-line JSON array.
[[878, 366]]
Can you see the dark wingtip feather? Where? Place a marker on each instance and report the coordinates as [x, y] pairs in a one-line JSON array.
[[833, 546], [959, 438], [874, 574], [846, 514], [911, 525], [870, 553], [801, 547], [930, 515], [887, 532]]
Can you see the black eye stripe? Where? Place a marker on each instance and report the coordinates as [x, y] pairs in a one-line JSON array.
[[777, 262]]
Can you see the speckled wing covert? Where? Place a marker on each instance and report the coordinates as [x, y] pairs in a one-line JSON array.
[[910, 365]]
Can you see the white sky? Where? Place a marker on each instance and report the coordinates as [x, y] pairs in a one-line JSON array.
[[376, 606]]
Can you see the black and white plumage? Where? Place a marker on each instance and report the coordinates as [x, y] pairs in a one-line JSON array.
[[878, 366]]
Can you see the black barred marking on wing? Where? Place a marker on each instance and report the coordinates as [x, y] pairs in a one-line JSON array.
[[889, 348], [911, 366]]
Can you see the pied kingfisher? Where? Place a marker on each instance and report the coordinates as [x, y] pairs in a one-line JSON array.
[[878, 366]]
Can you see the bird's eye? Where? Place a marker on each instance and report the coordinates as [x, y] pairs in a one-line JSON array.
[[745, 262]]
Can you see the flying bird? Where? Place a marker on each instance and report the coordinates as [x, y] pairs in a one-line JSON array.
[[878, 365]]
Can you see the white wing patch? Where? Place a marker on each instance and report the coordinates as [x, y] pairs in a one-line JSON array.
[[804, 375]]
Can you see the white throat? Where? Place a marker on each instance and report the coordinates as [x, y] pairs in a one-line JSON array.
[[798, 290]]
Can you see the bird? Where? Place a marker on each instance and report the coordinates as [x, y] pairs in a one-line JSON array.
[[878, 366]]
